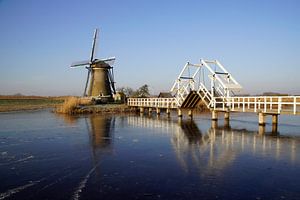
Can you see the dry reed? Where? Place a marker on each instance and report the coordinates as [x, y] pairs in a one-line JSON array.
[[71, 104]]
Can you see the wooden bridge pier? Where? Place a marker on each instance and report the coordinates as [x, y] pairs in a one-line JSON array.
[[190, 113], [215, 115], [168, 112], [179, 113], [227, 119], [142, 110], [262, 120], [150, 111], [157, 111]]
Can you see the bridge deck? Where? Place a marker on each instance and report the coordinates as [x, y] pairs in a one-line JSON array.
[[253, 104], [152, 102]]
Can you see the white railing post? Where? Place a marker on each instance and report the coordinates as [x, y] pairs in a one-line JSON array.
[[254, 104], [248, 99], [295, 105], [223, 104], [279, 104], [243, 104], [265, 104]]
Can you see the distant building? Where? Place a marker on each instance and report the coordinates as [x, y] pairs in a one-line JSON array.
[[120, 97], [165, 95]]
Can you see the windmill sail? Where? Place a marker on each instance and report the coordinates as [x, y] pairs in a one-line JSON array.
[[81, 63], [94, 45]]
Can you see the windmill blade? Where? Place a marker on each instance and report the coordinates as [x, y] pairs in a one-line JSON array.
[[94, 45], [110, 61], [81, 63], [111, 80], [87, 82]]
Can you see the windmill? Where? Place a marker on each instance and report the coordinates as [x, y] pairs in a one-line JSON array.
[[100, 77]]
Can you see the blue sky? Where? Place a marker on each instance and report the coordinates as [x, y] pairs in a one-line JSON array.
[[258, 41]]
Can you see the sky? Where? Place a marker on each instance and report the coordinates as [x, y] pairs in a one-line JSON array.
[[258, 41]]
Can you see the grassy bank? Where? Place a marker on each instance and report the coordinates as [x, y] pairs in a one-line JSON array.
[[18, 103], [75, 105]]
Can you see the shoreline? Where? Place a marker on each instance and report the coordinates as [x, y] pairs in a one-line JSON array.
[[24, 103]]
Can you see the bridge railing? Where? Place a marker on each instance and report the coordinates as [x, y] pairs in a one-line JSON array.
[[267, 104], [153, 102]]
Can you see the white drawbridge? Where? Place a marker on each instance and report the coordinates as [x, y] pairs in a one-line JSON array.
[[210, 82]]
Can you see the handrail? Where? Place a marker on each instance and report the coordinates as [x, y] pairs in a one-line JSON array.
[[266, 104]]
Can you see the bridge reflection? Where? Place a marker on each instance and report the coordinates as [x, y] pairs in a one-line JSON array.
[[217, 147], [213, 148]]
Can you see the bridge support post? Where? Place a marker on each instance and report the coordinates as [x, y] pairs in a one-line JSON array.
[[274, 128], [275, 119], [158, 111], [150, 111], [168, 112], [261, 129], [214, 124], [179, 112], [142, 109], [214, 115], [226, 120], [226, 116], [261, 119], [190, 114], [274, 123]]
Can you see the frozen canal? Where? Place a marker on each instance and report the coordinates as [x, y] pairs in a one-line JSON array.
[[49, 156]]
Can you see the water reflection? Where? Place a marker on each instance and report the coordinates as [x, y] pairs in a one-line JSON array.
[[89, 158], [68, 119], [100, 129], [218, 146]]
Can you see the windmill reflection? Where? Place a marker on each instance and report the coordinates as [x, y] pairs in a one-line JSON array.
[[100, 131]]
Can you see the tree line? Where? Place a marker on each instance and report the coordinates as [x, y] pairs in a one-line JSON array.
[[141, 92]]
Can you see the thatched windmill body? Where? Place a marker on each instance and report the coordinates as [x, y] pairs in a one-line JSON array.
[[100, 78]]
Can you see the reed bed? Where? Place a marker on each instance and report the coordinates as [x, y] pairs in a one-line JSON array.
[[71, 104]]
